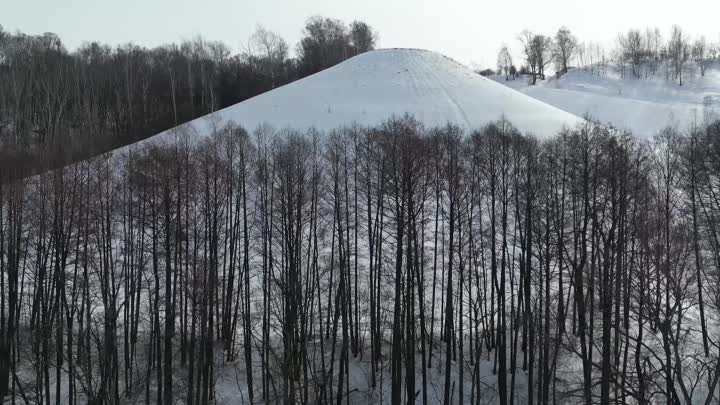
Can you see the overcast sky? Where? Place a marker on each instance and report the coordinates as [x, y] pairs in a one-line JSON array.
[[470, 31]]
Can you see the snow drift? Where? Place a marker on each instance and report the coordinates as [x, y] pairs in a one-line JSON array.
[[643, 106]]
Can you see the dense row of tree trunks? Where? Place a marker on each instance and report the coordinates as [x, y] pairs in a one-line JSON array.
[[421, 256]]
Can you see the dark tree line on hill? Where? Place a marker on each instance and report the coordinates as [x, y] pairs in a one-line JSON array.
[[431, 264], [58, 106]]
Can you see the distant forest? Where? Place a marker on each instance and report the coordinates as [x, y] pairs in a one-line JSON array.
[[58, 106]]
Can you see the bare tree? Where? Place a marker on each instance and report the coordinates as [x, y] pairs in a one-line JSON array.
[[632, 49], [504, 62], [538, 53], [700, 54], [362, 37], [679, 52], [653, 40], [268, 51], [325, 43], [565, 47]]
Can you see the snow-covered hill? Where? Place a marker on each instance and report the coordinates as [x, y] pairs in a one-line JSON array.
[[643, 106], [374, 86]]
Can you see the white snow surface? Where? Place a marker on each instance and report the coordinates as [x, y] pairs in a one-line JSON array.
[[375, 86], [643, 106]]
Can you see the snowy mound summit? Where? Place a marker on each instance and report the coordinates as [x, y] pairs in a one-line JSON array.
[[372, 87]]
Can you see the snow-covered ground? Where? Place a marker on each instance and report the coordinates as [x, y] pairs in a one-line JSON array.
[[643, 106], [371, 88]]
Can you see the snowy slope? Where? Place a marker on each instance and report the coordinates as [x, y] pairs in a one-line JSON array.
[[374, 86], [643, 106]]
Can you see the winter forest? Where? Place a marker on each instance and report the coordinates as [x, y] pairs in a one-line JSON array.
[[397, 263]]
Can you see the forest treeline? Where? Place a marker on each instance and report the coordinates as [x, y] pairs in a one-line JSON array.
[[396, 263], [59, 106]]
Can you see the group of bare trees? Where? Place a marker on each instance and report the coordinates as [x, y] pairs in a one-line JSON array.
[[539, 51], [58, 106], [505, 64], [398, 262], [646, 54], [327, 42]]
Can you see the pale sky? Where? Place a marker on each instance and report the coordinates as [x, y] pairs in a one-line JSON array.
[[470, 31]]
